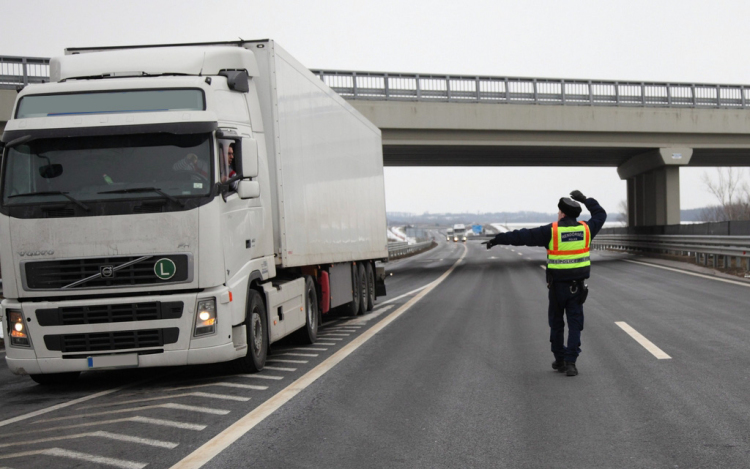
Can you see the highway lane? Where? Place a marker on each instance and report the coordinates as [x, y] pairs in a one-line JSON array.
[[161, 415], [462, 378]]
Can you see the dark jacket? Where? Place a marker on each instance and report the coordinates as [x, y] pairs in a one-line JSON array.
[[542, 235]]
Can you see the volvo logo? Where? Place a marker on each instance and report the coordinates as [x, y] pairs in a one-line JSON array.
[[107, 271], [35, 253]]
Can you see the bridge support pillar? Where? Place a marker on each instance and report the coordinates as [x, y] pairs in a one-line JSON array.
[[654, 186]]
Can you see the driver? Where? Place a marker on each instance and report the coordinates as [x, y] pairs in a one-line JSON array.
[[191, 162]]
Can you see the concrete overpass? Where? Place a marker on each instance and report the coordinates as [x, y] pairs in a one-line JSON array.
[[645, 130]]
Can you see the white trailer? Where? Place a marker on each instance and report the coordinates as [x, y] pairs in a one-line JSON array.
[[130, 238]]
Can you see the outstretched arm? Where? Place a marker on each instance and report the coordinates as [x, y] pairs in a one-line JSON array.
[[524, 237]]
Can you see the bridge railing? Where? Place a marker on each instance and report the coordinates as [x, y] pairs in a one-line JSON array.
[[513, 90], [402, 249], [20, 71], [715, 250]]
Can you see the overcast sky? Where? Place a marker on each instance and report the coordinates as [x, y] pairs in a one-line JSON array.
[[685, 41]]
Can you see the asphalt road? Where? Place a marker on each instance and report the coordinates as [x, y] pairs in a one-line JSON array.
[[460, 378]]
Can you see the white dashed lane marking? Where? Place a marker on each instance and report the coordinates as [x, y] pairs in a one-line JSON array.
[[295, 354], [174, 396], [136, 419], [260, 376], [63, 453], [169, 405], [647, 344], [277, 368], [281, 360], [99, 434]]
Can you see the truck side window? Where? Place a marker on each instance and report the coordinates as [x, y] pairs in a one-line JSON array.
[[226, 162]]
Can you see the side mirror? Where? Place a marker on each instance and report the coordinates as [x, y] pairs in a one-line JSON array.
[[248, 189], [50, 171], [249, 158]]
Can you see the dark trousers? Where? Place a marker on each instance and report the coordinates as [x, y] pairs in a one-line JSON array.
[[564, 301]]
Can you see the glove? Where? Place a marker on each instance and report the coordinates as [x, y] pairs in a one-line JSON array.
[[578, 196], [489, 243]]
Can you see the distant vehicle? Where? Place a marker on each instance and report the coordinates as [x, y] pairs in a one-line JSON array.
[[449, 234], [459, 232]]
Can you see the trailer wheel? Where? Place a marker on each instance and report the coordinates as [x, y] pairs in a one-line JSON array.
[[309, 333], [56, 378], [363, 294], [257, 335], [356, 295], [370, 286]]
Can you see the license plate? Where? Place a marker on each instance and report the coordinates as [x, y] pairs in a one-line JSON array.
[[114, 361]]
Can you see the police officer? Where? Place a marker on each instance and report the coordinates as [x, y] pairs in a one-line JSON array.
[[568, 265]]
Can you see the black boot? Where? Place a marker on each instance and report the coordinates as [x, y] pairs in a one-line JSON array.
[[570, 369], [558, 365]]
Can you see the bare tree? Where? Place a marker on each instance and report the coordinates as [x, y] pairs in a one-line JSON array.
[[732, 192], [622, 214]]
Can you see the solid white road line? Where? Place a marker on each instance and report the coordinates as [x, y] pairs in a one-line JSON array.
[[172, 396], [221, 441], [694, 274], [64, 404], [647, 344], [281, 360], [64, 453], [100, 434], [259, 376], [278, 368], [168, 405], [295, 354]]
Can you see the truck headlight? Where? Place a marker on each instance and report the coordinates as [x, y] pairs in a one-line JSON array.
[[205, 317], [464, 238], [17, 329]]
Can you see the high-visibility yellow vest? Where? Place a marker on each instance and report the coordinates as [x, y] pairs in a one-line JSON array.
[[569, 247]]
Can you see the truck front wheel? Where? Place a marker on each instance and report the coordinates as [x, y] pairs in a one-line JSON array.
[[257, 335], [309, 333]]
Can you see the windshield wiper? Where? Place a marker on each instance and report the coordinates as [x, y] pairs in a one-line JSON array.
[[145, 189], [64, 194]]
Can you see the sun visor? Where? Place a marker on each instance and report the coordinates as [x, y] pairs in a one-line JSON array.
[[209, 60]]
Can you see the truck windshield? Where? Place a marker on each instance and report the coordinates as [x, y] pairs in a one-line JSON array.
[[107, 168]]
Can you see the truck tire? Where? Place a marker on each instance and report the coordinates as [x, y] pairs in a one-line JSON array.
[[356, 295], [309, 333], [256, 324], [56, 378], [362, 287], [370, 273]]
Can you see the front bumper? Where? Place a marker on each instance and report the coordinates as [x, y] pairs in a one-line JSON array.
[[66, 348]]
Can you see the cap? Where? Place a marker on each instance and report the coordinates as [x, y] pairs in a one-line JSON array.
[[569, 207]]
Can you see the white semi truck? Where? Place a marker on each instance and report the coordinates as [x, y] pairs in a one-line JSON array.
[[459, 232], [182, 204]]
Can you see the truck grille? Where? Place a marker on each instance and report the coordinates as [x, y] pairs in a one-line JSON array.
[[98, 314], [103, 272], [120, 340]]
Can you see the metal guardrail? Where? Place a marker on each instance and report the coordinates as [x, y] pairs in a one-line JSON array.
[[20, 71], [514, 90], [403, 249], [720, 249]]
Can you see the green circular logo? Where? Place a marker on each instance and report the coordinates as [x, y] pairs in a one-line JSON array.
[[165, 268]]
